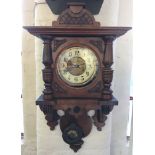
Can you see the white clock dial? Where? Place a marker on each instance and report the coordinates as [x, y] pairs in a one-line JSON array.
[[77, 65]]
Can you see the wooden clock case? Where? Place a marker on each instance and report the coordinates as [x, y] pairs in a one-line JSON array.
[[76, 26]]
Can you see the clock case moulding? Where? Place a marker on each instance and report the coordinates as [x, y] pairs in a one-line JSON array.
[[76, 26]]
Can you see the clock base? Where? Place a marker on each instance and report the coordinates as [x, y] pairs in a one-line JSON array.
[[75, 123]]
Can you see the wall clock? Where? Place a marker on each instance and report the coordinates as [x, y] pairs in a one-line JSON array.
[[77, 55]]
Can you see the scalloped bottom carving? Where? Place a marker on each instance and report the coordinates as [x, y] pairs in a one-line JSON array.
[[76, 147], [98, 124]]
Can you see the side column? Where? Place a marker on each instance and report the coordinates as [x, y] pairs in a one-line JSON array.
[[47, 71], [107, 70]]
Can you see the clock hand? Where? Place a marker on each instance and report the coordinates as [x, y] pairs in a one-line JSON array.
[[78, 64]]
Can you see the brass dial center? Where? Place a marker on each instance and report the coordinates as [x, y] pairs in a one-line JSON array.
[[76, 66]]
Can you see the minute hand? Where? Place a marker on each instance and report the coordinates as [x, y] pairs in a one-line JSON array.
[[78, 64]]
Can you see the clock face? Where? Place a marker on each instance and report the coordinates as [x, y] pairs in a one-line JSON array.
[[77, 65]]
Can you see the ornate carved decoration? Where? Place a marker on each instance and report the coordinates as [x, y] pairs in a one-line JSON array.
[[107, 79], [76, 146], [56, 43], [106, 109], [100, 116], [99, 121], [50, 115], [99, 44], [76, 15], [75, 127], [73, 135], [75, 124]]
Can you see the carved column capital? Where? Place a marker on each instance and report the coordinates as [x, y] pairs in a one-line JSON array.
[[47, 56], [108, 53], [109, 39]]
